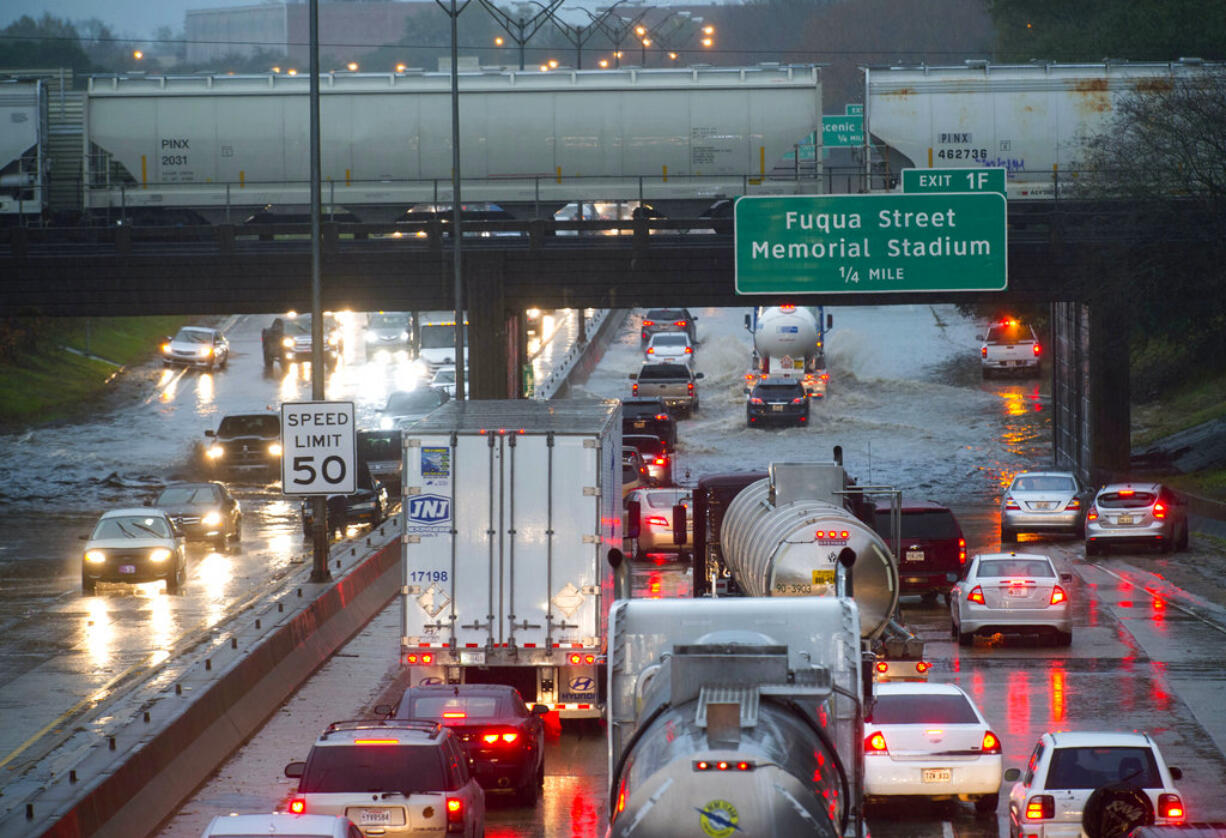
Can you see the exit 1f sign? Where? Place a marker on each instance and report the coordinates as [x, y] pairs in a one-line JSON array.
[[953, 180]]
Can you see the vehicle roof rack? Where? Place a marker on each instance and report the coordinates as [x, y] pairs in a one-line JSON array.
[[430, 727]]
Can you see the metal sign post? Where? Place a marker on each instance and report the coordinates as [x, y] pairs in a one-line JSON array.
[[319, 532]]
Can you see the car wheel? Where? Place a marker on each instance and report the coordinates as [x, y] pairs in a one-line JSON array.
[[528, 793], [987, 373], [238, 531], [1064, 638], [966, 638], [174, 580], [1008, 536], [225, 359], [987, 804], [1182, 544], [89, 587], [1092, 549], [953, 630], [929, 598], [540, 772], [221, 542], [1168, 544]]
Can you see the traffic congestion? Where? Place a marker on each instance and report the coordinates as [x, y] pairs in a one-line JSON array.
[[1026, 632]]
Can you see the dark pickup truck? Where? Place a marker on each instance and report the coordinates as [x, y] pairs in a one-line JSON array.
[[671, 383]]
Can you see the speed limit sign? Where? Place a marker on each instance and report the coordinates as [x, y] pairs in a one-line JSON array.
[[318, 448]]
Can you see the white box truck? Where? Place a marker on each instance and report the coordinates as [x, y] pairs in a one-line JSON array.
[[510, 510]]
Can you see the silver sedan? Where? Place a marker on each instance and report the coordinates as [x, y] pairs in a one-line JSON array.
[[1042, 502], [1137, 513], [1011, 592]]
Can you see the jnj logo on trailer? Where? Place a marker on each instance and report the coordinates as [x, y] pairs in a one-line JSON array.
[[427, 513]]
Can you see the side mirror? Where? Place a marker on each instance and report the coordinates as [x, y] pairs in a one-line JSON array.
[[295, 769], [633, 376], [210, 433], [698, 375], [634, 521], [540, 709], [1176, 773], [1012, 775], [679, 534]]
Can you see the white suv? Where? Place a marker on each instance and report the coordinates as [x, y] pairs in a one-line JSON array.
[[1066, 768], [391, 778]]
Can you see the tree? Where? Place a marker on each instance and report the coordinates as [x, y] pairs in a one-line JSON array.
[[47, 42]]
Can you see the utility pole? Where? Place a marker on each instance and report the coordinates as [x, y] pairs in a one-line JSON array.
[[319, 503], [522, 26]]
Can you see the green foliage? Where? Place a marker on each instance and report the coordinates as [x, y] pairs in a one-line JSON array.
[[1091, 30], [46, 42]]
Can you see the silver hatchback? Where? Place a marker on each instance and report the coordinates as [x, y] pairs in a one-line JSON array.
[[1011, 592], [1137, 513], [1042, 502]]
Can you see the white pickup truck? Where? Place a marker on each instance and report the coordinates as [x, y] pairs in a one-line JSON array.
[[1009, 346]]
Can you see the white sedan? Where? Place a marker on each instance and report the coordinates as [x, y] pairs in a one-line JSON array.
[[930, 740], [1011, 592], [197, 346], [669, 347]]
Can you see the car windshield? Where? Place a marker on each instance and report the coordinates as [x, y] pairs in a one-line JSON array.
[[388, 321], [444, 377], [189, 496], [132, 526], [194, 336], [1125, 499], [1044, 483], [378, 446], [1090, 768], [373, 768], [646, 445], [639, 410], [1012, 568], [666, 500], [659, 372], [440, 336], [297, 327], [452, 709], [923, 709], [408, 401], [677, 339], [232, 426]]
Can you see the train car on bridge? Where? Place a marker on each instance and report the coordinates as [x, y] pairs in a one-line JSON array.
[[23, 149]]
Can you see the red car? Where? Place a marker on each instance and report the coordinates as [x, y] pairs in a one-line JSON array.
[[932, 552], [503, 738]]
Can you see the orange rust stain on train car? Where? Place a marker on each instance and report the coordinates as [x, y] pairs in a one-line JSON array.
[[1158, 85], [1094, 95]]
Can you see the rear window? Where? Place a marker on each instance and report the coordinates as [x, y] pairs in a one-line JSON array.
[[660, 372], [374, 768], [1015, 568], [779, 392], [665, 314], [923, 709], [1009, 334], [378, 446], [932, 524], [454, 709], [646, 446], [182, 495], [671, 339], [1043, 483], [1126, 500], [666, 500], [1089, 768], [249, 426]]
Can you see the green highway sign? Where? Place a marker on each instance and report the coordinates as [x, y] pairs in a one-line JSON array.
[[854, 109], [854, 244], [845, 130], [954, 180]]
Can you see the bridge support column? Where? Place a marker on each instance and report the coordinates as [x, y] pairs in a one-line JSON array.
[[495, 349]]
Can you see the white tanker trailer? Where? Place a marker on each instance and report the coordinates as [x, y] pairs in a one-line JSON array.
[[789, 341], [218, 140], [735, 717]]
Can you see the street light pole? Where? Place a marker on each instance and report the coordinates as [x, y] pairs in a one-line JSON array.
[[319, 503]]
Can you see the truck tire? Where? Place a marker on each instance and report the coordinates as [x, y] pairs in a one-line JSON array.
[[174, 580]]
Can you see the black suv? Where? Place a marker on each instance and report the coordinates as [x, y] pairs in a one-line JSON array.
[[649, 416], [245, 442], [777, 403], [667, 320], [932, 552]]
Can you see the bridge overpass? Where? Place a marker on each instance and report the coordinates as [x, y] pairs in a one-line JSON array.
[[1059, 253]]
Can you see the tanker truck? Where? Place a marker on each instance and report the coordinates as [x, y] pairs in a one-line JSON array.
[[736, 717], [781, 535], [789, 342]]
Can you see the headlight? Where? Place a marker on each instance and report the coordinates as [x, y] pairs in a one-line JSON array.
[[404, 335], [166, 348], [216, 452], [159, 555], [334, 339], [205, 351], [533, 313], [288, 343], [274, 448], [212, 519], [95, 556]]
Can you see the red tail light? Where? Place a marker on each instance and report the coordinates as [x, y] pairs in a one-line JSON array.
[[799, 400], [454, 714], [976, 595], [883, 667], [1036, 350], [1092, 515], [661, 416], [680, 324], [689, 350], [507, 737], [991, 744], [874, 743], [756, 400], [961, 551], [576, 659], [1075, 503], [1057, 595], [651, 350], [1010, 503], [1041, 807], [634, 388], [922, 667], [661, 461], [455, 814], [690, 387], [983, 352], [787, 308], [297, 806], [1170, 807], [657, 521], [1159, 510], [649, 322]]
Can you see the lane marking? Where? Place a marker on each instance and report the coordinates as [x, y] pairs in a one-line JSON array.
[[1166, 598]]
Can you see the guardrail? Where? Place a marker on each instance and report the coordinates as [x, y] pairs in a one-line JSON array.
[[550, 387]]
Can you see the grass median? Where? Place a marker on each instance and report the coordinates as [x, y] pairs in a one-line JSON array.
[[72, 362]]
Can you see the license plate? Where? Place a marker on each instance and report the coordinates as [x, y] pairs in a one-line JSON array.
[[375, 817], [778, 408], [640, 424], [915, 555], [936, 775], [1124, 519], [1043, 504], [472, 657], [127, 568], [1017, 592]]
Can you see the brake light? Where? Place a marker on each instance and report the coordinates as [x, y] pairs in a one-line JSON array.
[[1127, 493], [454, 714], [1057, 595], [455, 814], [875, 744], [634, 388], [649, 322], [1075, 503], [1159, 510], [976, 595], [576, 659], [375, 742], [661, 461], [756, 400], [1010, 503], [1036, 350], [494, 738], [1092, 515], [991, 743], [657, 521], [983, 352], [961, 551], [297, 806], [922, 667], [681, 324], [1170, 807], [651, 350], [690, 387], [798, 400], [661, 416], [689, 350], [1040, 807], [883, 667], [787, 308]]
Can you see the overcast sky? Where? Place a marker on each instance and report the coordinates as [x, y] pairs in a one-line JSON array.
[[126, 17]]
